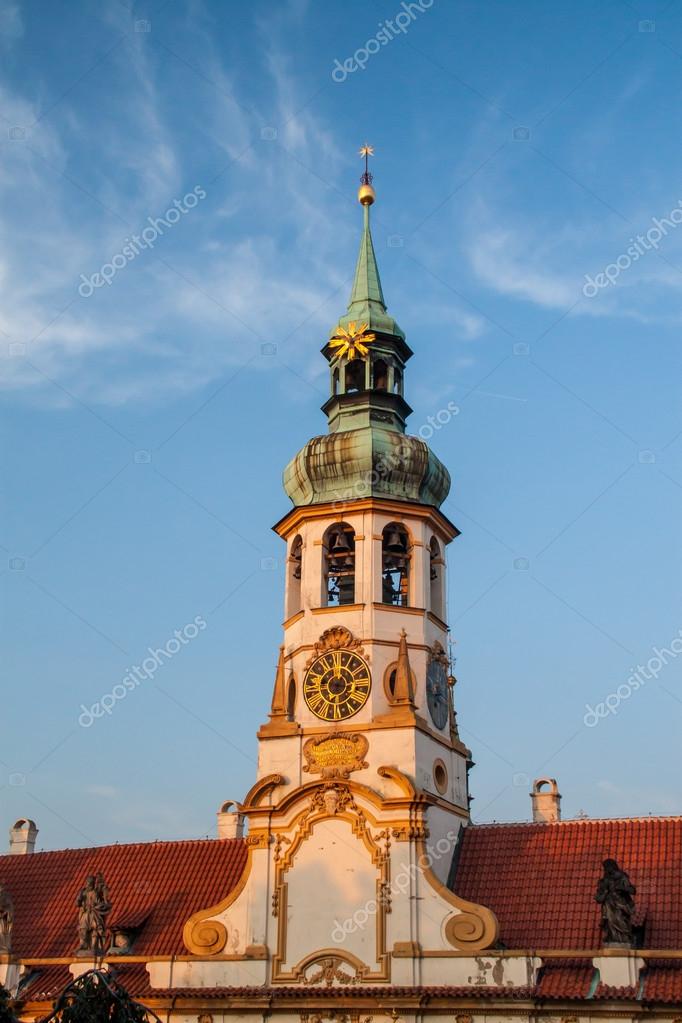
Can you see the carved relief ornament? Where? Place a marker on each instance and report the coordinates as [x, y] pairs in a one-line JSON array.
[[336, 638], [335, 755]]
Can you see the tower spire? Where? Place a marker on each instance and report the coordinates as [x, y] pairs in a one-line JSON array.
[[404, 690], [367, 303], [279, 708], [367, 291]]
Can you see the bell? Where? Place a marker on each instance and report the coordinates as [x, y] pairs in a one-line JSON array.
[[339, 545], [395, 543]]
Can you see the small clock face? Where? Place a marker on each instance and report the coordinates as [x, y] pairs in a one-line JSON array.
[[437, 696], [337, 685]]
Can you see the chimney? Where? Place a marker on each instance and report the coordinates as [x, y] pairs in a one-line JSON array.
[[22, 837], [230, 822], [546, 801]]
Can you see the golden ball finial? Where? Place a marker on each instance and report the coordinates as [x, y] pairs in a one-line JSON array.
[[366, 194]]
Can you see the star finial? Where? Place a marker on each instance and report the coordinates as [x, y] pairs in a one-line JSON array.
[[366, 194], [353, 341], [367, 151]]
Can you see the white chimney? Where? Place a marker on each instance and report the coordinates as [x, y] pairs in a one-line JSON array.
[[22, 837], [230, 822], [546, 800]]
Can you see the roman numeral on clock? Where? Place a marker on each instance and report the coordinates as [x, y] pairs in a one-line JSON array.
[[337, 685]]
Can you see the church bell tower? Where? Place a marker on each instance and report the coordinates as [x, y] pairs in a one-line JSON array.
[[365, 631], [361, 794]]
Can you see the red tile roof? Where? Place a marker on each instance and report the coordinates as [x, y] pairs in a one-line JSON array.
[[157, 885], [663, 980], [555, 984], [45, 983], [565, 978], [540, 879], [304, 992]]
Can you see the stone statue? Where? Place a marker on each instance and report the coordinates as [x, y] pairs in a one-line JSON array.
[[6, 920], [615, 896], [94, 906]]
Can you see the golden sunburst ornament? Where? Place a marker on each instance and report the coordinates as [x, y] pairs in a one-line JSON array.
[[353, 341]]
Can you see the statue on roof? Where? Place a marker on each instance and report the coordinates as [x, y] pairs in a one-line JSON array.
[[6, 920], [615, 895], [94, 907]]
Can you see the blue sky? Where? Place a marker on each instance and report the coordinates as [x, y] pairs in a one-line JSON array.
[[519, 147]]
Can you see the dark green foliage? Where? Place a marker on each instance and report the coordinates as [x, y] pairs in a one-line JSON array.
[[96, 997]]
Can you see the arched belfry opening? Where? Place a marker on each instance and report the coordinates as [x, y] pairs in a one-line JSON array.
[[355, 376], [395, 565], [380, 375], [339, 557], [295, 572], [436, 579]]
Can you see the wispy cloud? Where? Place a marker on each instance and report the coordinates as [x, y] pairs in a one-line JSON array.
[[180, 315], [511, 264], [546, 263]]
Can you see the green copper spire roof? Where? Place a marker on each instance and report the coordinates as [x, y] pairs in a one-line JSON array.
[[367, 303], [367, 283]]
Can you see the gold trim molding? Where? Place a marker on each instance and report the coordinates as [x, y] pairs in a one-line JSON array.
[[440, 524], [260, 789], [336, 608], [332, 800]]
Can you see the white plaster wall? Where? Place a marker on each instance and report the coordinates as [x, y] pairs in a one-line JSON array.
[[282, 756], [444, 829], [481, 971], [619, 970], [331, 895], [206, 973], [427, 751]]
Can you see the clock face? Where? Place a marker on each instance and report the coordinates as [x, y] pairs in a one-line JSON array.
[[437, 696], [336, 685]]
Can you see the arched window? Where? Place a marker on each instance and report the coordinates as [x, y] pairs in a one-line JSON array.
[[291, 698], [395, 565], [380, 375], [339, 548], [397, 382], [335, 381], [294, 581], [437, 578], [355, 376]]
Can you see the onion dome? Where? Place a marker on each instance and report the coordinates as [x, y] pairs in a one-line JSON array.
[[352, 464]]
